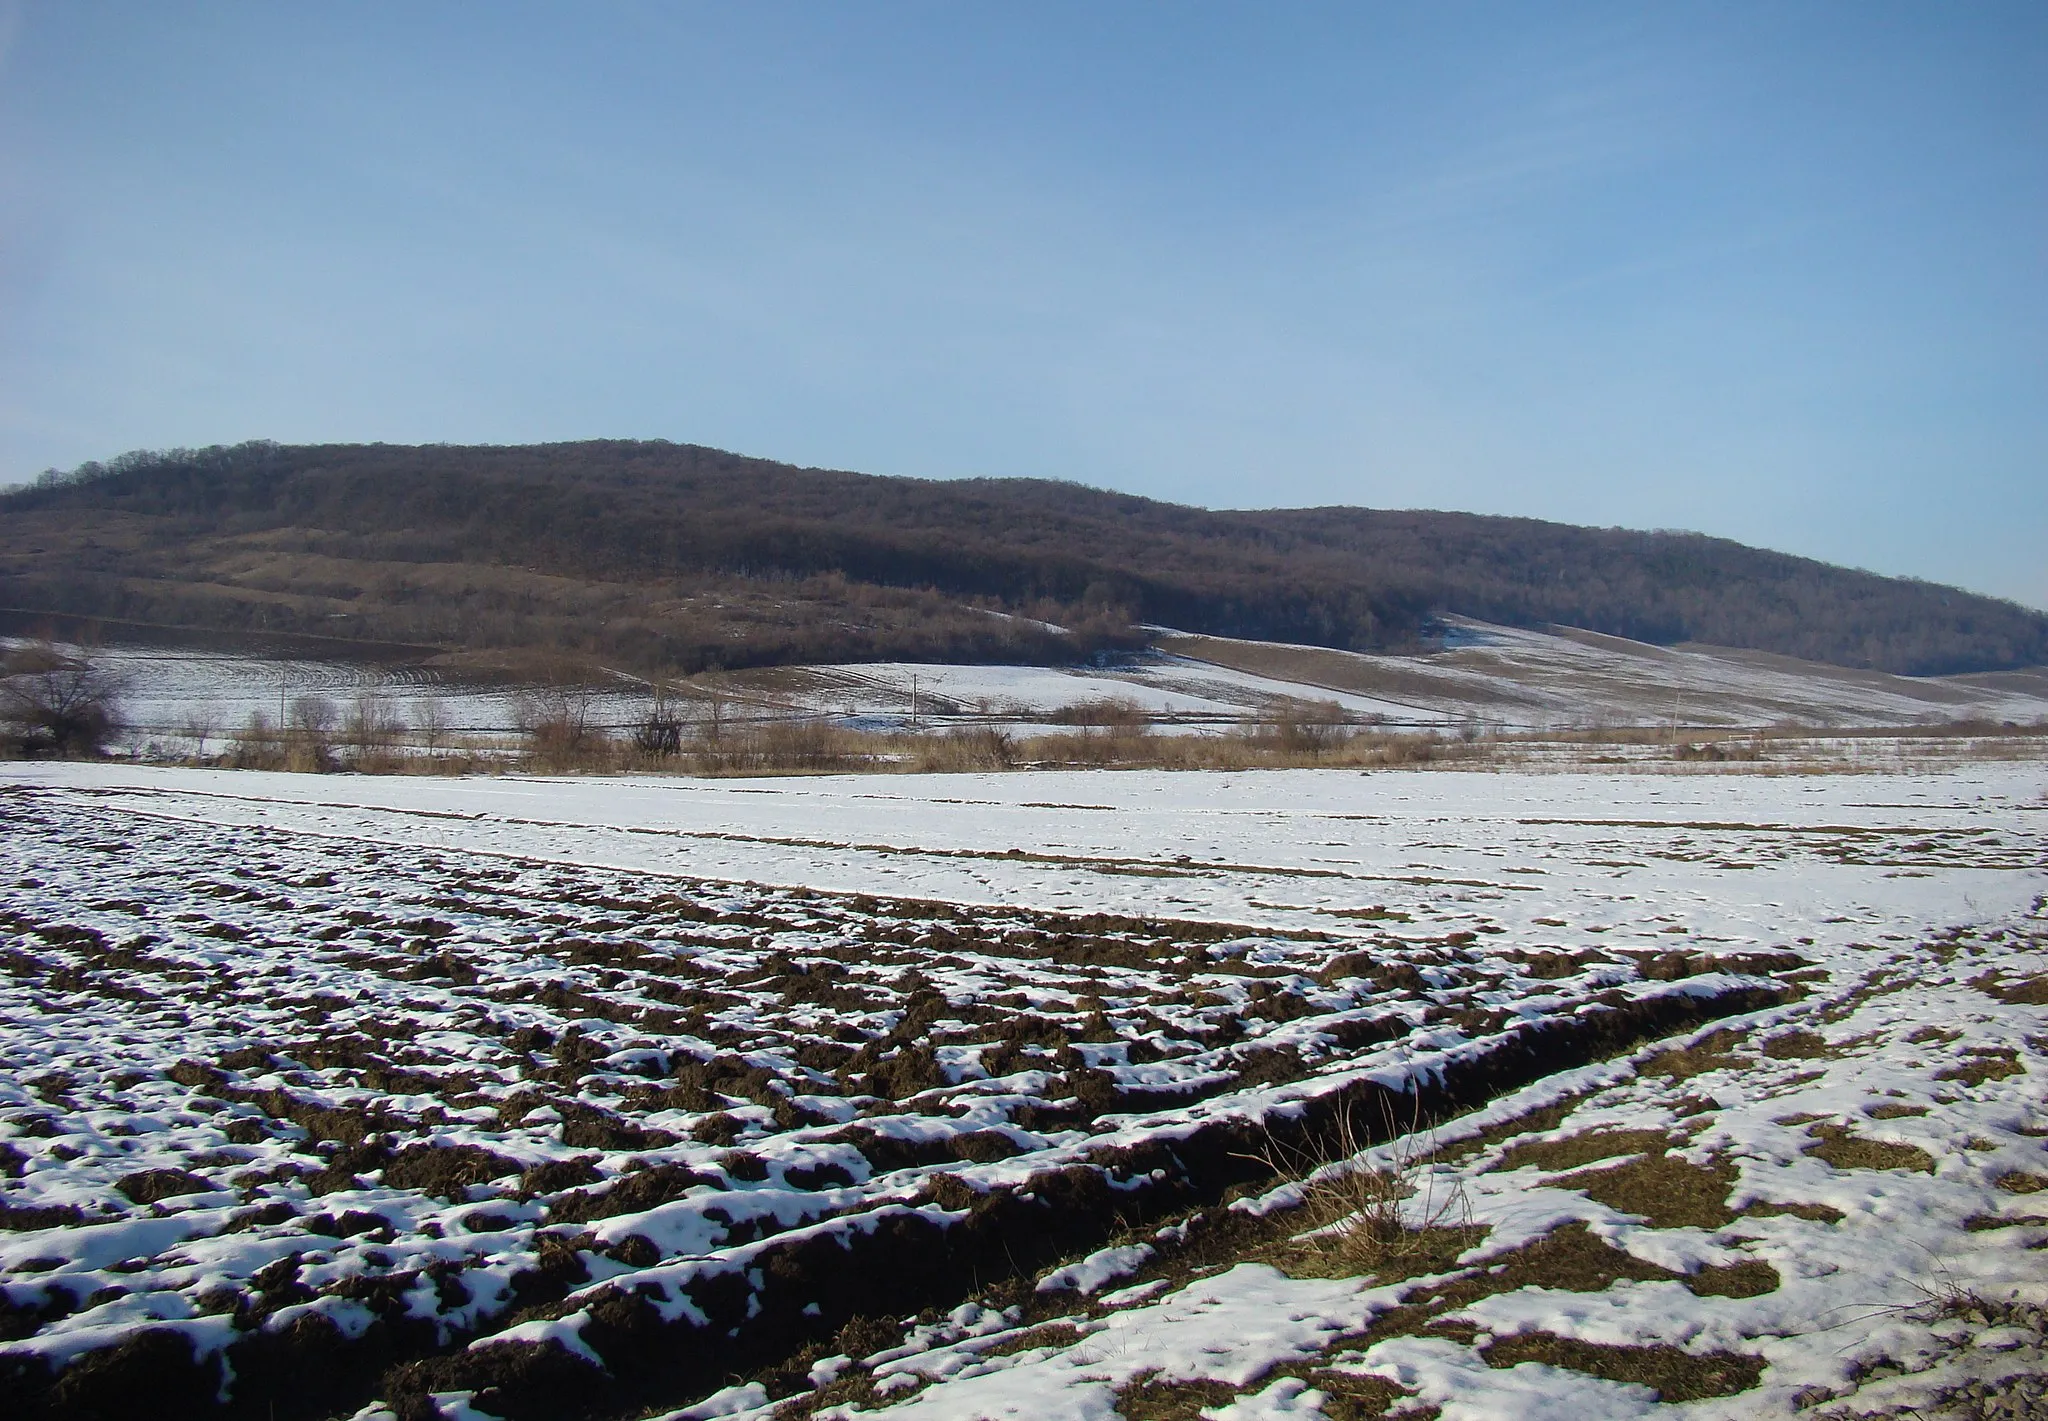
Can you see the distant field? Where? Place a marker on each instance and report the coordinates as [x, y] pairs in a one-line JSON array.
[[1009, 1095], [1487, 678]]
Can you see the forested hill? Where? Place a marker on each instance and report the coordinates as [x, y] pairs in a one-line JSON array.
[[676, 556]]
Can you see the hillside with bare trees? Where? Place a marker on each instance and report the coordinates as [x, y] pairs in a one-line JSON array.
[[677, 557]]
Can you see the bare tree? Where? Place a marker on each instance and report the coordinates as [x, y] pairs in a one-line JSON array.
[[309, 729], [659, 733], [201, 724], [57, 703], [372, 728], [430, 718]]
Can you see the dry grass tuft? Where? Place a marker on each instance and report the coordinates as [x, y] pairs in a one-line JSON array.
[[1350, 1397], [2027, 992], [1398, 1220], [1046, 1334], [1798, 1046], [1751, 1278], [1569, 1259], [1529, 1122], [1921, 1035]]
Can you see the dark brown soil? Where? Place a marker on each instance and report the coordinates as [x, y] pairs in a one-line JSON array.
[[149, 1185]]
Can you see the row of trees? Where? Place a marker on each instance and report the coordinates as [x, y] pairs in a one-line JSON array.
[[316, 734]]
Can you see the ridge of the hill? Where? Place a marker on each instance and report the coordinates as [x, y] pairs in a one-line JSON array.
[[681, 557]]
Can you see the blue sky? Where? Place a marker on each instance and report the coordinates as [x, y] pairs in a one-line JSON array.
[[1772, 271]]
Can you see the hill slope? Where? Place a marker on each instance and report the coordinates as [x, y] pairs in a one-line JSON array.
[[684, 557]]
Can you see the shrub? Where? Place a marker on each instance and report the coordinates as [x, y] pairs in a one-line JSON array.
[[659, 733]]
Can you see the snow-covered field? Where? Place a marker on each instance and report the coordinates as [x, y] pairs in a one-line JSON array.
[[169, 696], [1007, 1095], [1166, 687], [1524, 678]]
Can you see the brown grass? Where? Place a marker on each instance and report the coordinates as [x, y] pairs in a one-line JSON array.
[[1839, 1147], [1575, 1150], [1673, 1373], [1769, 1209], [1988, 1064], [1710, 1053], [1143, 1398], [1670, 1193]]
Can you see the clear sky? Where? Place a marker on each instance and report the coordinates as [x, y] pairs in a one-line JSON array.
[[1775, 271]]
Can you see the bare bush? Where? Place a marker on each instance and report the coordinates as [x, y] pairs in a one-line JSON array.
[[780, 747], [967, 748], [373, 730], [1393, 1218], [258, 744], [1312, 730], [659, 733], [56, 703], [559, 730], [1107, 713]]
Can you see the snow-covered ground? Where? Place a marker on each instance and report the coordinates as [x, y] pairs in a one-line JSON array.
[[630, 1088]]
